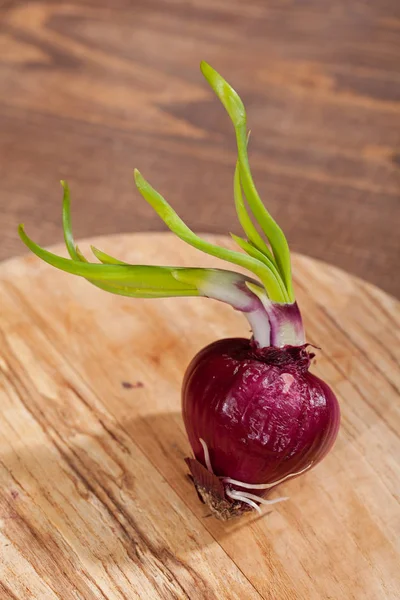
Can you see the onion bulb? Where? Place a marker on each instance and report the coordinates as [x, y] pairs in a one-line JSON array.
[[254, 417]]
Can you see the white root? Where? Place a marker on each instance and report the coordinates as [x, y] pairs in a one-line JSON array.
[[238, 496], [206, 455], [247, 497], [264, 486], [263, 500]]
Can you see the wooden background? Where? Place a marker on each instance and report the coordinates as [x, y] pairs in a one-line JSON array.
[[92, 88]]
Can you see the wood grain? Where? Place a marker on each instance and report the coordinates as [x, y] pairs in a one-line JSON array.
[[95, 502], [91, 88]]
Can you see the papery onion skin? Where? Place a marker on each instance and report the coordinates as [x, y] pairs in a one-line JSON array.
[[262, 415]]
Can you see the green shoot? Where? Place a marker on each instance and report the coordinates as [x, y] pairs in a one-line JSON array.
[[255, 253], [235, 109], [106, 258], [177, 226], [244, 219], [139, 281]]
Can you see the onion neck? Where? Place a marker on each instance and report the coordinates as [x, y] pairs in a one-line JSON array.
[[285, 326], [284, 321], [272, 323]]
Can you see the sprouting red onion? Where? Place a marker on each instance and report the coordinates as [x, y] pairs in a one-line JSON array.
[[254, 415]]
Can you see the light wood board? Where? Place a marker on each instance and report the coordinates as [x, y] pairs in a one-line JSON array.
[[94, 498]]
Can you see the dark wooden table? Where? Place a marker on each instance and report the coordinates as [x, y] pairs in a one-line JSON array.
[[92, 88]]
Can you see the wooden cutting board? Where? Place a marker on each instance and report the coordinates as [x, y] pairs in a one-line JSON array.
[[95, 501]]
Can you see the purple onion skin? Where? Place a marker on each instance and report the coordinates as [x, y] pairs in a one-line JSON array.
[[261, 413]]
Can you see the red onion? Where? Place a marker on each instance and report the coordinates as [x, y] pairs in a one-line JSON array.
[[254, 414]]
